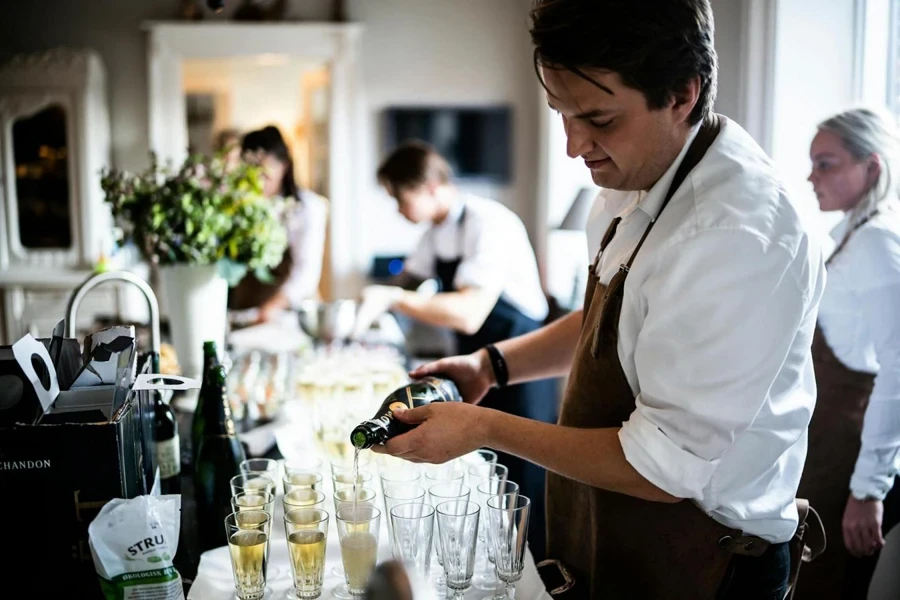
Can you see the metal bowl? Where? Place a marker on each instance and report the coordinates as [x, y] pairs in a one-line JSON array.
[[328, 321]]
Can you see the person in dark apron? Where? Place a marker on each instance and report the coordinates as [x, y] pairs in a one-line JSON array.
[[296, 278], [850, 473], [420, 180], [534, 400], [675, 463]]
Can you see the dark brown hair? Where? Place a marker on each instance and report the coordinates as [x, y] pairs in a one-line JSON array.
[[656, 46], [270, 141], [412, 164]]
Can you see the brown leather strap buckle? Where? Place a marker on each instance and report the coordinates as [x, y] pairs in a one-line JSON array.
[[745, 545], [567, 577]]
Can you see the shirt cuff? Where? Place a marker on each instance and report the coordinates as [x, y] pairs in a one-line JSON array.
[[661, 462], [874, 475]]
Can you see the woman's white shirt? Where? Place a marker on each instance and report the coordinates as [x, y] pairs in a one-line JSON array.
[[306, 226], [860, 318]]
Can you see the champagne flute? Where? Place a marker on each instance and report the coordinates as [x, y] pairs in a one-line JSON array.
[[358, 532], [508, 517], [248, 544], [458, 532], [413, 526], [306, 530]]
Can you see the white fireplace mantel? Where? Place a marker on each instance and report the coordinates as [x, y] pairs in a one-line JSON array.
[[335, 44]]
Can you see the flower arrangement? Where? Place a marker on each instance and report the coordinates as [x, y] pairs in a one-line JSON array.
[[205, 212]]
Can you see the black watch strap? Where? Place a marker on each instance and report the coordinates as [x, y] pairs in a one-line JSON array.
[[498, 365]]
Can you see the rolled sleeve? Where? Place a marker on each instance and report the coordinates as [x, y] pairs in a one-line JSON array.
[[661, 461], [714, 340]]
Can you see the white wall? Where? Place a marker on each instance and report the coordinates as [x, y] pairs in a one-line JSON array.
[[448, 52], [727, 15], [414, 52], [814, 78]]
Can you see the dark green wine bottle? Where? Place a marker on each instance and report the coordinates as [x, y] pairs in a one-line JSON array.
[[210, 358], [383, 426], [218, 460]]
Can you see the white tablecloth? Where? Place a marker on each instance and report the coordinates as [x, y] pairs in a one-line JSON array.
[[294, 439], [214, 579]]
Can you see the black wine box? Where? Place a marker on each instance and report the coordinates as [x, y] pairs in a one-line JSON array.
[[55, 478]]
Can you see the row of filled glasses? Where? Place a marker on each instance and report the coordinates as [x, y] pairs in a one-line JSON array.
[[417, 494]]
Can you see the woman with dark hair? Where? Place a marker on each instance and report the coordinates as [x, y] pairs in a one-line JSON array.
[[854, 437], [297, 277]]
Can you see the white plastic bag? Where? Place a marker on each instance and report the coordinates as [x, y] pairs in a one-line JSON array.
[[133, 543]]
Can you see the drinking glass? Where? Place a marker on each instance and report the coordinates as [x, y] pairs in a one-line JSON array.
[[358, 534], [303, 465], [248, 482], [453, 490], [458, 533], [306, 530], [413, 527], [479, 465], [485, 578], [302, 480], [508, 517], [400, 493], [344, 499], [442, 473], [302, 499], [253, 500], [343, 479], [263, 466], [248, 544]]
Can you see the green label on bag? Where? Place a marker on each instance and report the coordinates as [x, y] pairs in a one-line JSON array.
[[155, 584]]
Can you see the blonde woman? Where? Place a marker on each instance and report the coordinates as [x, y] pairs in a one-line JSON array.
[[854, 436]]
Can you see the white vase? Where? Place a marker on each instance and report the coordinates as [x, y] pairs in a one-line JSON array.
[[197, 302]]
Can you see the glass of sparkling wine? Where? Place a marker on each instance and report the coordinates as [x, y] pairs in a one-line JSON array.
[[262, 466], [253, 500], [458, 532], [343, 498], [307, 532], [302, 499], [302, 480], [358, 533], [248, 536], [248, 482]]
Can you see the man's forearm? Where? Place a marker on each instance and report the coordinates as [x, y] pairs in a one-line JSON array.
[[463, 311], [544, 353], [563, 450]]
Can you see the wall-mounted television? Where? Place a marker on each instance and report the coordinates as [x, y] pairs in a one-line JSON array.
[[476, 140]]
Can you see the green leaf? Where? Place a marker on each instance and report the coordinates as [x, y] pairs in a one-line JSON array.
[[231, 271]]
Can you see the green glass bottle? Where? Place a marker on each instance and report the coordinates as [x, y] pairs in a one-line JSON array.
[[210, 358], [218, 460], [383, 426]]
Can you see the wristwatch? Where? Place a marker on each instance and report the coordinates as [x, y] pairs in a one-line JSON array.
[[498, 365]]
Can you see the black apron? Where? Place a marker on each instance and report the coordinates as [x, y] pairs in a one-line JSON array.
[[535, 400]]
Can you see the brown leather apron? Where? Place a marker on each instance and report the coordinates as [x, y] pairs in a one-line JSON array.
[[835, 438], [618, 546]]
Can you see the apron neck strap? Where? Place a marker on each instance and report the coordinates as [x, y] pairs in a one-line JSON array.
[[704, 139], [849, 234]]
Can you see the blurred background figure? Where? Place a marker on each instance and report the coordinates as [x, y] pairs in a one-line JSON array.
[[297, 277], [854, 437], [228, 141]]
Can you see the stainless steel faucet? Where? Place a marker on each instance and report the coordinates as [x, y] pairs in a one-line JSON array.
[[95, 280]]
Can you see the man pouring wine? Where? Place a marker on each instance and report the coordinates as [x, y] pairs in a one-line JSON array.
[[682, 434]]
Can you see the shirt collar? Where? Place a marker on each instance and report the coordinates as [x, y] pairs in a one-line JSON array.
[[622, 203], [456, 209]]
